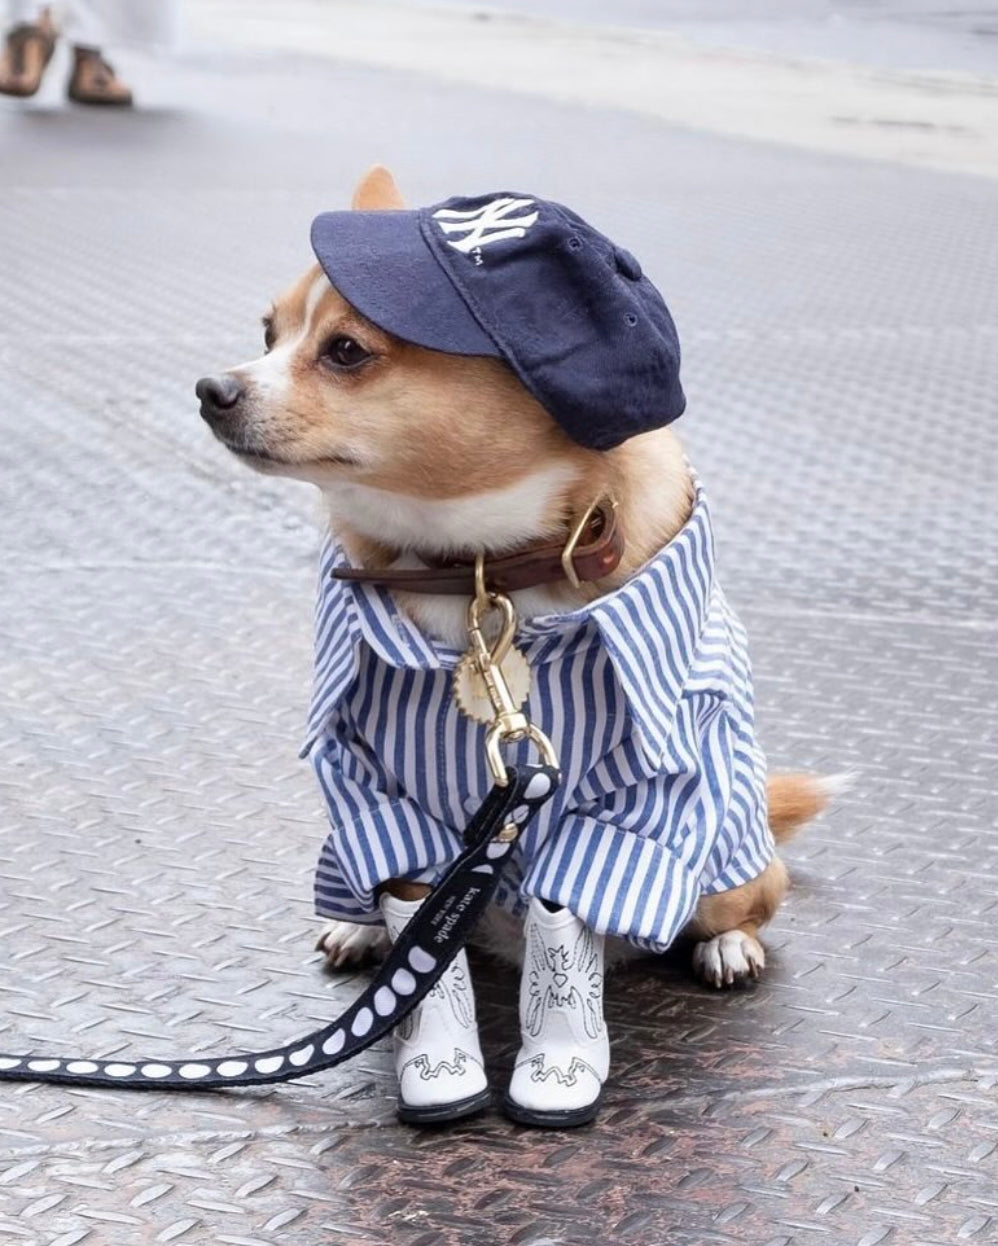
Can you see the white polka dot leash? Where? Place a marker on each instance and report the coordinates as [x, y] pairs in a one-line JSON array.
[[418, 959]]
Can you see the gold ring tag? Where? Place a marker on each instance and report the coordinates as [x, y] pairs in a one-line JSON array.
[[471, 694]]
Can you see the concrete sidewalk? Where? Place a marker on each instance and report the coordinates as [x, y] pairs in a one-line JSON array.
[[938, 120]]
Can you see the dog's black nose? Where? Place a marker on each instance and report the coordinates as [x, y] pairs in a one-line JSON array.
[[219, 395]]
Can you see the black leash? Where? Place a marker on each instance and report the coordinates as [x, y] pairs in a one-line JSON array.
[[441, 927]]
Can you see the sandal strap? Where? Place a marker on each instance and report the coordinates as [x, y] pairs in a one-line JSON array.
[[18, 40], [103, 71]]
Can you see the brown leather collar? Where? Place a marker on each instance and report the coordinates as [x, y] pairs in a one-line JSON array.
[[596, 551]]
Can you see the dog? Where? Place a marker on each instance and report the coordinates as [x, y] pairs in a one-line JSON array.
[[424, 455]]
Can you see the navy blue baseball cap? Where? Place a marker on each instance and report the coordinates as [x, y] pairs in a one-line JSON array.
[[525, 280]]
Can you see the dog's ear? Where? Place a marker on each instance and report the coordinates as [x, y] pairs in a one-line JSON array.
[[376, 192]]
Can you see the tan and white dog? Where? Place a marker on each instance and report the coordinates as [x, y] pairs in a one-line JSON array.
[[419, 455]]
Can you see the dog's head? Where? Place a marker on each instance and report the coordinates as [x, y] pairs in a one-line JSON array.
[[336, 401]]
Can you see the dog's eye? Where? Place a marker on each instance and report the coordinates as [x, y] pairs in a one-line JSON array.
[[269, 334], [344, 352]]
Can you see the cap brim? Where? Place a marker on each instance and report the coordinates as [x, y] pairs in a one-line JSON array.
[[381, 265]]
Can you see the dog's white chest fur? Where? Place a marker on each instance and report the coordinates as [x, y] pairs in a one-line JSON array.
[[499, 520]]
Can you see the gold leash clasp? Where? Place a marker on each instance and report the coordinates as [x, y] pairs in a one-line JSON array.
[[509, 723]]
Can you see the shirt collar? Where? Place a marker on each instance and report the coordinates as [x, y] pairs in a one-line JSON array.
[[650, 628]]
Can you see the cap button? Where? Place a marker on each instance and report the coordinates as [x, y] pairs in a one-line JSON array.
[[627, 265]]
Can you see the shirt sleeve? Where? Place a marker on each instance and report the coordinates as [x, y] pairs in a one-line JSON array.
[[376, 833], [632, 863]]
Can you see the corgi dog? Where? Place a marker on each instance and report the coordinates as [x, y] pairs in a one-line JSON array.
[[434, 435]]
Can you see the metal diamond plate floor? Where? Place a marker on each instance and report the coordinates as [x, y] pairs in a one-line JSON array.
[[157, 832]]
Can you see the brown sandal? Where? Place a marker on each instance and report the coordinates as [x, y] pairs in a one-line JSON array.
[[94, 82], [28, 52]]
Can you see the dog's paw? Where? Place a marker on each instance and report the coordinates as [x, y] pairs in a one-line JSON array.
[[348, 946], [728, 959]]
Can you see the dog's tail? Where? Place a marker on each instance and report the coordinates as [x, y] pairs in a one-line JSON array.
[[797, 798]]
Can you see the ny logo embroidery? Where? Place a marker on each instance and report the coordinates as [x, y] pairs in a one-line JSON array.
[[481, 226]]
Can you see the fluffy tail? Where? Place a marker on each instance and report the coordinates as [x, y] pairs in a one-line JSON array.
[[797, 798]]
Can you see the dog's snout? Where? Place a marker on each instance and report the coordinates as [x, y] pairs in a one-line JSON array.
[[219, 395]]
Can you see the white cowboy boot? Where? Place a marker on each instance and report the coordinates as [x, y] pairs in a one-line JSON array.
[[565, 1055], [438, 1058]]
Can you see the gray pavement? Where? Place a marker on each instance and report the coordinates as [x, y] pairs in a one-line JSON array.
[[157, 833], [918, 35]]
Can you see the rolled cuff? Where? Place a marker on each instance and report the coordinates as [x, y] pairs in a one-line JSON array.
[[395, 839], [617, 882]]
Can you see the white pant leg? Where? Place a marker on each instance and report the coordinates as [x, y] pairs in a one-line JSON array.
[[85, 22], [23, 11], [96, 23], [81, 21]]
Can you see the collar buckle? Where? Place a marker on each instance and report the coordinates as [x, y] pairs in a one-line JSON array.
[[602, 503]]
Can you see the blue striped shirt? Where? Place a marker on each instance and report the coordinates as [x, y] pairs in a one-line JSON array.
[[646, 695]]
